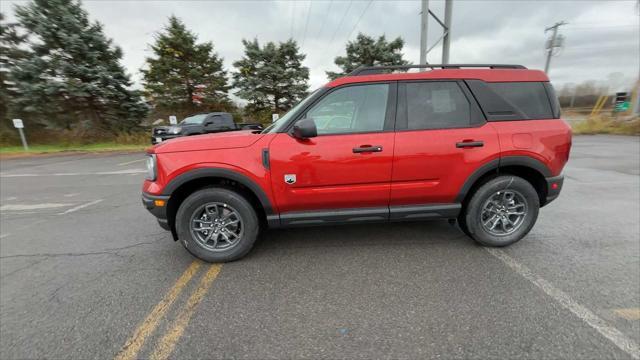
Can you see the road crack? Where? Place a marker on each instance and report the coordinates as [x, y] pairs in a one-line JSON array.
[[111, 251]]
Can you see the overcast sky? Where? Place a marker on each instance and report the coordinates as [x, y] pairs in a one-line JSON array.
[[602, 37]]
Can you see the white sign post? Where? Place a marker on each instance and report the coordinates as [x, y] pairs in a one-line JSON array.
[[17, 123], [173, 120], [275, 117]]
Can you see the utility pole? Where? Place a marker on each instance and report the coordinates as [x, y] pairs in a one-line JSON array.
[[424, 17], [448, 9], [555, 42], [446, 33], [636, 101], [573, 96]]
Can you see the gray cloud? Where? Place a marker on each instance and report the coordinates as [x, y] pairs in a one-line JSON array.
[[602, 36]]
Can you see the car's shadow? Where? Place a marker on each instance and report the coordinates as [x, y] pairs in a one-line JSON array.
[[391, 235]]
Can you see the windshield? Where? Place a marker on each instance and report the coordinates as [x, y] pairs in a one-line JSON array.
[[195, 119], [277, 126]]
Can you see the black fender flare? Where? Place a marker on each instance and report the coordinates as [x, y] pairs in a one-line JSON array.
[[525, 161], [221, 173]]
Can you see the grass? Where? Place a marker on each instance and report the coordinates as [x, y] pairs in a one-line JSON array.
[[606, 125], [50, 149]]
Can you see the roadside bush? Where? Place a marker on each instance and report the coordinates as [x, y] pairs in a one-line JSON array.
[[9, 137], [137, 138], [66, 138], [607, 125]]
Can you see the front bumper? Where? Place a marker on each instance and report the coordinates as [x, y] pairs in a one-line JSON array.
[[151, 202], [554, 186]]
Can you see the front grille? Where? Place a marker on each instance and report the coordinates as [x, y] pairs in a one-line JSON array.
[[159, 131]]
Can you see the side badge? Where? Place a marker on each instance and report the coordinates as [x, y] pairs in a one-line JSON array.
[[290, 178]]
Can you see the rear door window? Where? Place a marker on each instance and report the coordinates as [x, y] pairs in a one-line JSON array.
[[530, 98], [434, 105]]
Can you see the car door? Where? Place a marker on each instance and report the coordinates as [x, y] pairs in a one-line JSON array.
[[348, 165], [441, 139]]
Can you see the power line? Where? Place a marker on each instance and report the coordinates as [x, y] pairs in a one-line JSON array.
[[360, 18], [293, 18], [341, 21], [325, 18], [597, 23], [585, 27], [357, 22], [306, 26]]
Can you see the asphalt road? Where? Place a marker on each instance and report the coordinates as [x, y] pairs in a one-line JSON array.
[[84, 270]]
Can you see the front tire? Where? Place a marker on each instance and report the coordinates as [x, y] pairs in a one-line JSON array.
[[502, 211], [217, 225]]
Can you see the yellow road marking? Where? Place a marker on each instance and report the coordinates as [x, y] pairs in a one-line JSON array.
[[629, 314], [131, 162], [165, 346], [134, 343]]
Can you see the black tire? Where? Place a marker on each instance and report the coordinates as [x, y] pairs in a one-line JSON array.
[[462, 224], [526, 194], [194, 202]]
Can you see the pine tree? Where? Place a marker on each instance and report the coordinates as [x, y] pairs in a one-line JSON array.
[[73, 74], [365, 50], [10, 52], [271, 78], [183, 73]]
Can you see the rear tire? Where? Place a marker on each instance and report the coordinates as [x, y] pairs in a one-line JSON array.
[[217, 225], [502, 211]]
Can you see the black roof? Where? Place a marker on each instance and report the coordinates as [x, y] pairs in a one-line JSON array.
[[370, 70]]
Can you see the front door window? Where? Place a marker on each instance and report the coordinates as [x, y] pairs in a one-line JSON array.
[[353, 109]]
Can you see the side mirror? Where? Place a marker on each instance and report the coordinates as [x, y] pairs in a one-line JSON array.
[[304, 129], [208, 123]]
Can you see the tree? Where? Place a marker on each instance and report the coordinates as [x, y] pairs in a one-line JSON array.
[[10, 41], [73, 73], [365, 50], [271, 78], [183, 73]]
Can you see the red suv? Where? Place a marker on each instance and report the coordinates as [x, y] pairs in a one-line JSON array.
[[480, 144]]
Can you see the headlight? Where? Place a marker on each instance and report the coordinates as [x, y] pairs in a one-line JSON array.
[[151, 167], [175, 130]]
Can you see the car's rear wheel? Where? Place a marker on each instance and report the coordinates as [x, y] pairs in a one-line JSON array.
[[217, 225], [502, 211]]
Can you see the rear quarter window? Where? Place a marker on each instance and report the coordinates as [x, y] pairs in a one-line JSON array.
[[530, 98], [507, 101], [553, 99]]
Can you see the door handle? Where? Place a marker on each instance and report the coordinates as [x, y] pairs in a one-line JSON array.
[[469, 144], [367, 148]]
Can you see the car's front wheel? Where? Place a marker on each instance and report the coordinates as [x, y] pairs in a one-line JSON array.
[[502, 211], [217, 225]]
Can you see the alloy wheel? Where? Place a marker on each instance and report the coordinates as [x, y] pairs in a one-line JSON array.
[[216, 226], [503, 212]]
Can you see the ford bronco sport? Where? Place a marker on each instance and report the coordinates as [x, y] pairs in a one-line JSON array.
[[482, 145]]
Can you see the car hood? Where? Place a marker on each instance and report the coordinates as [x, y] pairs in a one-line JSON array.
[[188, 125], [225, 140]]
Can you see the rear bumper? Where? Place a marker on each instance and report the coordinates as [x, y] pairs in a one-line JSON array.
[[160, 212], [554, 186]]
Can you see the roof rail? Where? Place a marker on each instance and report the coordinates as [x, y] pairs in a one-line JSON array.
[[370, 70]]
